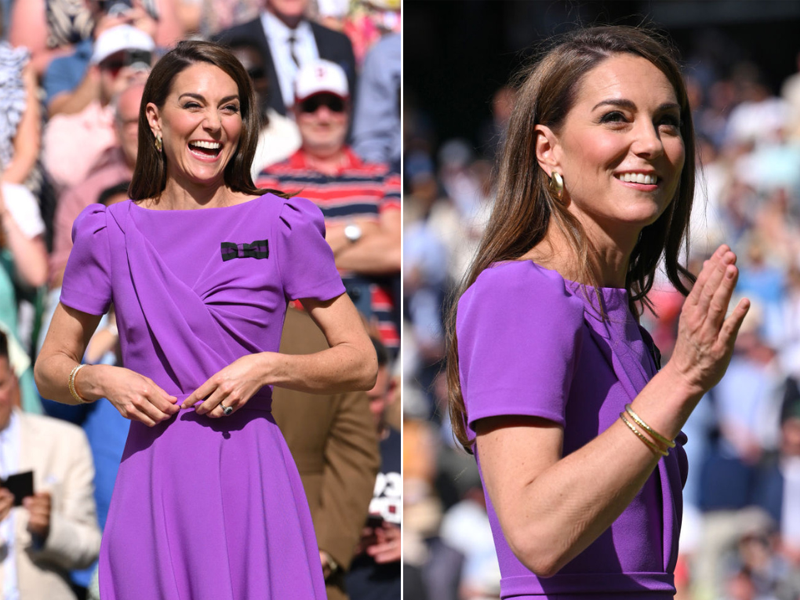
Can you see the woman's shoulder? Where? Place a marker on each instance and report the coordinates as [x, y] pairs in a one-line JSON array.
[[522, 291], [519, 279]]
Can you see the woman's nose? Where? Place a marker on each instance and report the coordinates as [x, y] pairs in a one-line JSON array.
[[647, 140]]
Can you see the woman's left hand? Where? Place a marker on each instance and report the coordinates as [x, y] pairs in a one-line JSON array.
[[231, 387]]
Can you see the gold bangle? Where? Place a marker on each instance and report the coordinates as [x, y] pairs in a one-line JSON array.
[[641, 436], [654, 434], [71, 385]]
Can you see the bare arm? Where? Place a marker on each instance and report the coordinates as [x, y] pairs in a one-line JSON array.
[[349, 364], [136, 397], [28, 138], [552, 507], [72, 102], [378, 252]]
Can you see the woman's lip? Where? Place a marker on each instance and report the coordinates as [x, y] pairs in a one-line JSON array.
[[204, 157], [647, 187]]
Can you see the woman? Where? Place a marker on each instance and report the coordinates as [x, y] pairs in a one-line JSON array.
[[595, 187], [199, 265]]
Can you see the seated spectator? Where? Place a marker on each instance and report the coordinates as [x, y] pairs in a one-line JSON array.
[[279, 137], [55, 28], [55, 529], [20, 117], [73, 143], [288, 41], [376, 124], [375, 571], [116, 166], [360, 201]]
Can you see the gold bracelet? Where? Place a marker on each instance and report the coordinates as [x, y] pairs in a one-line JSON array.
[[642, 437], [654, 434], [71, 385]]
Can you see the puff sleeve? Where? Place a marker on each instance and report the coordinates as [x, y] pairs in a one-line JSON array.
[[519, 332], [304, 257], [87, 277]]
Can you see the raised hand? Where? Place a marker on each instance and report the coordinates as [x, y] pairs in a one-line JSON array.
[[705, 337]]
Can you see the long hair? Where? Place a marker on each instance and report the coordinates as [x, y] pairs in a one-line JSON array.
[[525, 206], [150, 174]]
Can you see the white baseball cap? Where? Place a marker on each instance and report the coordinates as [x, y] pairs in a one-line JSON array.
[[121, 37], [321, 76]]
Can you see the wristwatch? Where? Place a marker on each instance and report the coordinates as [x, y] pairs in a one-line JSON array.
[[352, 232]]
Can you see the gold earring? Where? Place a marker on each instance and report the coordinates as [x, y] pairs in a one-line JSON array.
[[159, 145], [557, 184]]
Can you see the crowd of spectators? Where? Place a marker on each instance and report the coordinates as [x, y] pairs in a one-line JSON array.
[[741, 528], [72, 73]]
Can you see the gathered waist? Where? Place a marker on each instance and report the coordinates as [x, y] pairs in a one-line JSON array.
[[261, 401], [569, 586]]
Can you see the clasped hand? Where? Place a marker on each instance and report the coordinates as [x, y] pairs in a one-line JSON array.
[[706, 337], [139, 398]]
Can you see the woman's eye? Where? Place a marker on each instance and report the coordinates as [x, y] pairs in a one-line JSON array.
[[191, 105], [231, 108], [613, 117], [670, 121]]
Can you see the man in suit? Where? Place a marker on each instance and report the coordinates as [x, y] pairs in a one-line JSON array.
[[334, 443], [55, 529], [288, 41]]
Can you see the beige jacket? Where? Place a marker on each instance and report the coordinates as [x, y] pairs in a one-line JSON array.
[[58, 454]]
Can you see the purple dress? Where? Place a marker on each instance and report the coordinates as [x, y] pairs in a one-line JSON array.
[[204, 508], [530, 343]]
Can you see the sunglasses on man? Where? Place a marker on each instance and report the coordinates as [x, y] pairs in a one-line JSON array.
[[333, 103], [127, 59]]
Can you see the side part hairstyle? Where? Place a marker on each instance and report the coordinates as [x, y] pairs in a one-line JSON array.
[[150, 173], [524, 205]]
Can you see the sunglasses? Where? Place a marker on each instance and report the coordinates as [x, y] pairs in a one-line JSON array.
[[333, 103], [129, 58]]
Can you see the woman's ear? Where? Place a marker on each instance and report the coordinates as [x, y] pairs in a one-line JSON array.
[[546, 149], [153, 118]]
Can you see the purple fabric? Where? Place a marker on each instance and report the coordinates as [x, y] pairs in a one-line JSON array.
[[531, 343], [203, 508]]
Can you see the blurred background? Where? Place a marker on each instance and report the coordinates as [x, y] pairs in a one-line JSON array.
[[741, 528]]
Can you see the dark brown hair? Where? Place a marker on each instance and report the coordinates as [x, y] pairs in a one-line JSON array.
[[524, 206], [150, 173]]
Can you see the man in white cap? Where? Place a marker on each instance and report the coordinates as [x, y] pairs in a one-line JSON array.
[[73, 142], [361, 204], [288, 42]]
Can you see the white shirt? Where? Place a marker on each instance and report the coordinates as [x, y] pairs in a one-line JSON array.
[[305, 49], [9, 464]]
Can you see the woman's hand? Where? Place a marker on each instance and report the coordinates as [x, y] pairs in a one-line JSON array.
[[231, 387], [135, 396], [705, 337]]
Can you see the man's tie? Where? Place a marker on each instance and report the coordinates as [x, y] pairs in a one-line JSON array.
[[292, 40]]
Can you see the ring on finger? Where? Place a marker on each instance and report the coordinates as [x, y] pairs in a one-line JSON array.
[[226, 410]]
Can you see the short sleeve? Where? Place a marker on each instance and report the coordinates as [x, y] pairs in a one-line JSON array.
[[87, 277], [304, 257], [519, 333]]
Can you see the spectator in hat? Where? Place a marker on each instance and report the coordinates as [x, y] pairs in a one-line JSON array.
[[289, 41], [72, 82], [122, 57], [360, 201]]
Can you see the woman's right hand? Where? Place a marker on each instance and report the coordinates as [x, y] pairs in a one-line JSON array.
[[135, 396], [705, 339]]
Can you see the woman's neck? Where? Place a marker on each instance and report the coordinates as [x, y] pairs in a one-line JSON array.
[[609, 255], [178, 196]]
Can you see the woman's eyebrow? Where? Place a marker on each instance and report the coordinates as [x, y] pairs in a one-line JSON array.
[[630, 105]]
